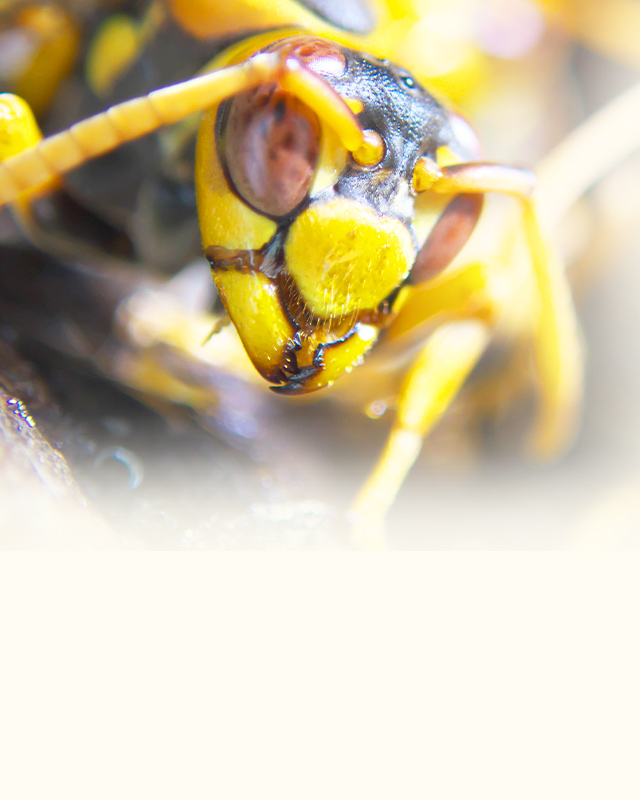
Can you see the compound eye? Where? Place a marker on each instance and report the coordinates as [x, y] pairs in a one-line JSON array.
[[271, 147]]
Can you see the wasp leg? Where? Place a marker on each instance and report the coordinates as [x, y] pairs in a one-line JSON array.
[[557, 344], [580, 160], [456, 344], [557, 341], [19, 131], [428, 389], [462, 293], [33, 168]]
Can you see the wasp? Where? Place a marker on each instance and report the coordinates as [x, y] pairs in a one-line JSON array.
[[335, 196]]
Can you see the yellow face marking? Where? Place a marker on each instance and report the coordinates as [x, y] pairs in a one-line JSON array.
[[224, 219], [344, 257], [343, 356], [252, 301]]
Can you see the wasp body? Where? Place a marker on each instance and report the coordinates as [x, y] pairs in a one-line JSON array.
[[335, 195]]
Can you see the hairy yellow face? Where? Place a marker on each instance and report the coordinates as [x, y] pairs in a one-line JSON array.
[[344, 257]]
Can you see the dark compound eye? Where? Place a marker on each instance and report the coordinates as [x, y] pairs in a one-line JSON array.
[[271, 146]]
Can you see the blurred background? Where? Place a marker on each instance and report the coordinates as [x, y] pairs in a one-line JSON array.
[[86, 463]]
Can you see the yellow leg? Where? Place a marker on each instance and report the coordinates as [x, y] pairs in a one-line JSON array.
[[19, 131], [465, 292], [557, 333], [454, 348], [433, 381], [33, 168], [557, 345]]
